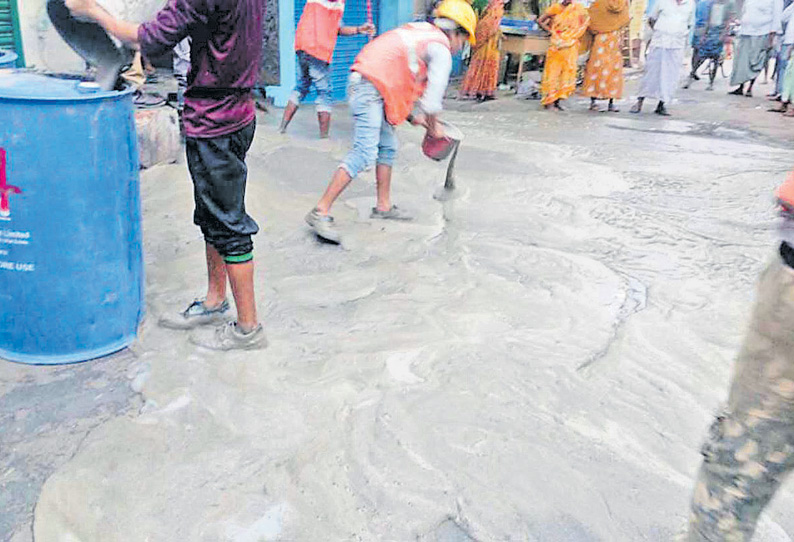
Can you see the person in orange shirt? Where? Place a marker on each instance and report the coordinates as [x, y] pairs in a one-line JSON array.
[[567, 22], [404, 67], [315, 41]]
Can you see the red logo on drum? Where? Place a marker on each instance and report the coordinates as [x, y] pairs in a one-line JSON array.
[[6, 190]]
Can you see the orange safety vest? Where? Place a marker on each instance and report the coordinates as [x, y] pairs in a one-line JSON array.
[[394, 63], [318, 28], [785, 193]]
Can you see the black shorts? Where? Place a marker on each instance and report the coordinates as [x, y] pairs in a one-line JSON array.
[[787, 253], [217, 166]]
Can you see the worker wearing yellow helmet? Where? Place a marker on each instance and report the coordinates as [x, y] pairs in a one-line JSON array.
[[405, 69]]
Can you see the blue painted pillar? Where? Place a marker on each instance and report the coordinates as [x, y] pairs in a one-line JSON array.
[[393, 13]]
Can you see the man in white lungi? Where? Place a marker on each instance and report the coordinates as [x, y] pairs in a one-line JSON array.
[[670, 21]]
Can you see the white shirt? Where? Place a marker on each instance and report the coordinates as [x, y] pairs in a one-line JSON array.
[[673, 21], [761, 17], [439, 66], [788, 36]]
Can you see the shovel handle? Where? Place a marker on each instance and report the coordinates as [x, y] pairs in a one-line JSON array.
[[449, 183]]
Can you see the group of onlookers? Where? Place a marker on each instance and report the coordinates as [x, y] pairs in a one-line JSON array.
[[760, 32]]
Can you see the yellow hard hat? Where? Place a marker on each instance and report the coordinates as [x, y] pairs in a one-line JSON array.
[[462, 13]]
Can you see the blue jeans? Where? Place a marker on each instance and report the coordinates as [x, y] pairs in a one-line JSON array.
[[374, 139], [313, 71], [782, 62]]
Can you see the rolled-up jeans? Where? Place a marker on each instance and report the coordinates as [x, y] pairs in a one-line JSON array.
[[782, 62], [374, 139], [313, 71]]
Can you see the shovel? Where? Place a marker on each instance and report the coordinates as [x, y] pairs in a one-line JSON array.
[[90, 41], [449, 183], [439, 149]]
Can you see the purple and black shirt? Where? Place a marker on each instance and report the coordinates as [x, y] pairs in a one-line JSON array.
[[225, 56]]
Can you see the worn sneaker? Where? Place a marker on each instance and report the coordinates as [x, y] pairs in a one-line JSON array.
[[323, 226], [230, 337], [197, 314], [395, 213]]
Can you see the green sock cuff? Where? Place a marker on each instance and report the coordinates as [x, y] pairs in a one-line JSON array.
[[241, 258]]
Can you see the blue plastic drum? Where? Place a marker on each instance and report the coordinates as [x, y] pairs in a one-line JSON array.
[[71, 277], [8, 59]]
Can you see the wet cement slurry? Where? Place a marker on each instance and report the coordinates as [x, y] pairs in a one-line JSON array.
[[536, 358]]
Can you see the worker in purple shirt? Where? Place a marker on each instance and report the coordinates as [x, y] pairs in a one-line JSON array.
[[219, 118]]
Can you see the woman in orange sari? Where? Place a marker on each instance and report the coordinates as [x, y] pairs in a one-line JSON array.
[[566, 21], [481, 77], [603, 78]]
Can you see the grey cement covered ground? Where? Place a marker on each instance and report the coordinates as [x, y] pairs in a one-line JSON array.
[[536, 359]]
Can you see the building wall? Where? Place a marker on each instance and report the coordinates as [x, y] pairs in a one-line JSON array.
[[421, 7], [45, 49], [392, 14], [271, 74]]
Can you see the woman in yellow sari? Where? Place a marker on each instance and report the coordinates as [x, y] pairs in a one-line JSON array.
[[566, 21], [483, 73]]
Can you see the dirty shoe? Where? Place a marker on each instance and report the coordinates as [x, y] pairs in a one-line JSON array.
[[230, 337], [197, 314], [395, 213], [323, 226], [147, 100]]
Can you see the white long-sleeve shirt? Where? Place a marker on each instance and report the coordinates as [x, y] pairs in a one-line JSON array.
[[788, 35], [439, 66], [761, 17], [673, 20]]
